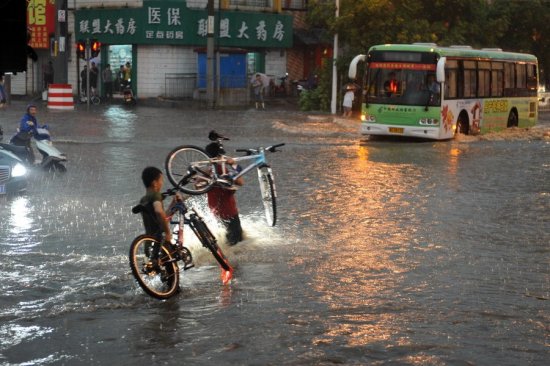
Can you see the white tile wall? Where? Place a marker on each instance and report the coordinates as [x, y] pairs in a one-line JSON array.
[[154, 62], [79, 4], [275, 62]]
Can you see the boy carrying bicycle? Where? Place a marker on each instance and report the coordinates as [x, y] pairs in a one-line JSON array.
[[154, 215]]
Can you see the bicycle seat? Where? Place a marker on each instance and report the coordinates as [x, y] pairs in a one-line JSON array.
[[137, 209], [214, 136]]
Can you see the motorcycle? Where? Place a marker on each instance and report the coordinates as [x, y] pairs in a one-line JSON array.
[[128, 94], [52, 158], [280, 87]]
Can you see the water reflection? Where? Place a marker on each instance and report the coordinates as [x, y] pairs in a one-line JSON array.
[[20, 219], [375, 226], [121, 122], [21, 225]]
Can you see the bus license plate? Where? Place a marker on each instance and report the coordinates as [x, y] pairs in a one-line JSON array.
[[397, 130], [2, 189]]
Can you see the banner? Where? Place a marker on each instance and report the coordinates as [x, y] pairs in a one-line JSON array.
[[41, 22], [171, 22]]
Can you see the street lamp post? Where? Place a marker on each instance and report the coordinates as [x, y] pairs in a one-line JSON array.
[[210, 56], [334, 69]]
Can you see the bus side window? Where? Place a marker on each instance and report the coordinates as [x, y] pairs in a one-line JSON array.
[[532, 79], [470, 79], [484, 78], [509, 80], [497, 79], [451, 83]]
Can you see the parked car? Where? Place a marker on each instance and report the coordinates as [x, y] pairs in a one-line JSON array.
[[13, 173]]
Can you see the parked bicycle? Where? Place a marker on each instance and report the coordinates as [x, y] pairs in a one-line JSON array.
[[94, 99], [191, 170], [154, 264]]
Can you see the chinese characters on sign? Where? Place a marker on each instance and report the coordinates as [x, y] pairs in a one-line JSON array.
[[97, 27], [41, 22], [175, 24]]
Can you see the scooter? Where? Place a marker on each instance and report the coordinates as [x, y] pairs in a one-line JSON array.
[[128, 94], [279, 88], [52, 158]]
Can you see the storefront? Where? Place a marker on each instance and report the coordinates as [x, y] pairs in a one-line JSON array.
[[165, 38]]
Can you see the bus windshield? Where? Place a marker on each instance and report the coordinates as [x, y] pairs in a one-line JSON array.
[[402, 85]]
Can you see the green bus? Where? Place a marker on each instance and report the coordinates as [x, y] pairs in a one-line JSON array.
[[426, 91]]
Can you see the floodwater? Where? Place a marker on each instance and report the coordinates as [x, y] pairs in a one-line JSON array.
[[385, 252]]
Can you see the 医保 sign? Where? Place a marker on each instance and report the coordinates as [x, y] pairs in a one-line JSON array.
[[170, 22]]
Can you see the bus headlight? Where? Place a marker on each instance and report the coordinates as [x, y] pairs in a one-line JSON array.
[[368, 118], [429, 121]]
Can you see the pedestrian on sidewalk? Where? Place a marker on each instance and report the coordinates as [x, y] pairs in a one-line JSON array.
[[47, 74], [3, 95], [107, 75], [348, 100], [258, 87]]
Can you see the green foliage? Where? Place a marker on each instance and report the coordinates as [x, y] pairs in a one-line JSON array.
[[513, 25], [309, 100], [319, 98]]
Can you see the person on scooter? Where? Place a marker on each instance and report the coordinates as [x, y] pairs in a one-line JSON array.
[[27, 129]]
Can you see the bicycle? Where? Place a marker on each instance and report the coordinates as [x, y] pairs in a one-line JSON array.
[[94, 99], [190, 169], [154, 263]]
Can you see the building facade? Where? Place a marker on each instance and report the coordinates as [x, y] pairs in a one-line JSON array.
[[164, 42]]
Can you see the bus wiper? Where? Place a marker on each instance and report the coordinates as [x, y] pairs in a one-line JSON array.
[[430, 96]]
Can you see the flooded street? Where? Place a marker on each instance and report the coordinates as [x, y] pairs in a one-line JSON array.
[[385, 252]]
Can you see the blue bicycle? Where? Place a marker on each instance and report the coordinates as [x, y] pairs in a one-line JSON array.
[[190, 169]]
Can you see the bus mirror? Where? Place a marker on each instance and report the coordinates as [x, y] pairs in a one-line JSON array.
[[352, 73], [440, 71]]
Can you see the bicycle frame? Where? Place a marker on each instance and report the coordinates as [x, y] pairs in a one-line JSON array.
[[259, 162], [179, 207]]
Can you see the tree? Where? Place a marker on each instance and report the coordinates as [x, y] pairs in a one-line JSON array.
[[478, 23]]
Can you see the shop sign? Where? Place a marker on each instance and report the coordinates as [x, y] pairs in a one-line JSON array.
[[173, 23], [41, 22]]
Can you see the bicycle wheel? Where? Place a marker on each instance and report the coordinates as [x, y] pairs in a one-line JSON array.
[[208, 240], [189, 169], [269, 195], [161, 279], [95, 100]]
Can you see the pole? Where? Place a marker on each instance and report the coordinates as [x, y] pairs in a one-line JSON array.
[[334, 69], [210, 56], [88, 54]]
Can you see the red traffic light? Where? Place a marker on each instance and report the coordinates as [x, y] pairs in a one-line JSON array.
[[81, 49], [95, 47]]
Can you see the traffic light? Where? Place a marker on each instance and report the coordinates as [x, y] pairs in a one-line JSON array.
[[95, 47], [81, 49]]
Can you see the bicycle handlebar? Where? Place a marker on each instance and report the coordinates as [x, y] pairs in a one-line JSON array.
[[169, 192], [272, 148]]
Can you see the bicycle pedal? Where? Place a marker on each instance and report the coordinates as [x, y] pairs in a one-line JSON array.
[[188, 266]]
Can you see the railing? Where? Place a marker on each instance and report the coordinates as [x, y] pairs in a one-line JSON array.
[[294, 4], [179, 85], [256, 3], [233, 90]]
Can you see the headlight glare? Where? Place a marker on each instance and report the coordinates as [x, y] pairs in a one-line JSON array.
[[18, 170]]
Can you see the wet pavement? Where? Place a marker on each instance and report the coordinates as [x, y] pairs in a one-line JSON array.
[[385, 252]]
